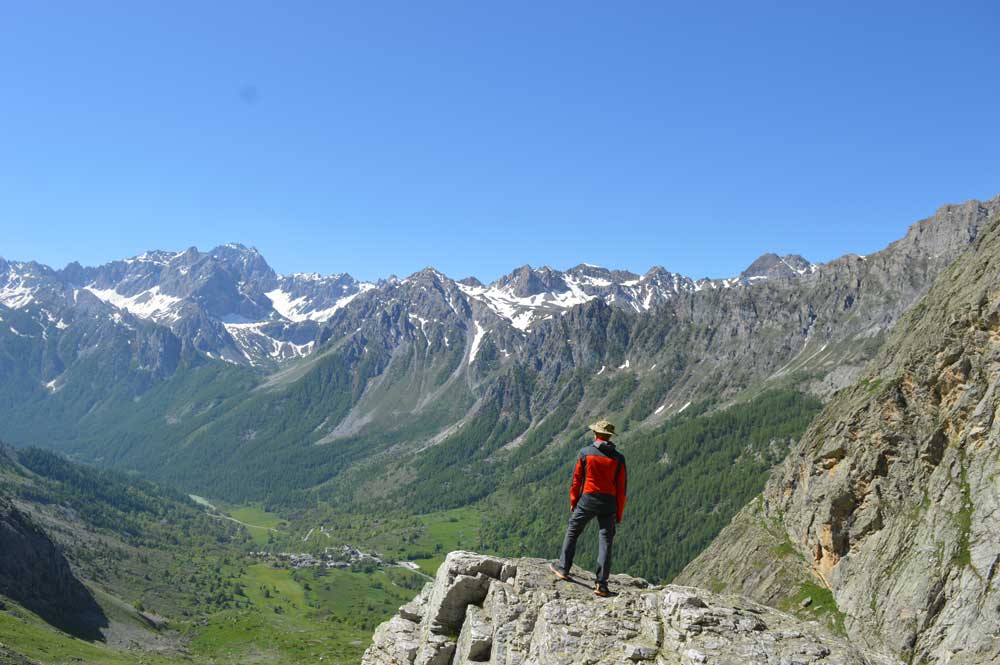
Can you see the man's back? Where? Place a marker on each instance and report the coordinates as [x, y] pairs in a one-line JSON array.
[[599, 480]]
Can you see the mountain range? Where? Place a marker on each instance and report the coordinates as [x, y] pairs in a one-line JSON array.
[[127, 327], [211, 372], [229, 304], [833, 388]]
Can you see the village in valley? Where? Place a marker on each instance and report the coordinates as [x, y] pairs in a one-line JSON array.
[[344, 557]]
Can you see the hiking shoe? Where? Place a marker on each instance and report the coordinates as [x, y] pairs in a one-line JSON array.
[[602, 590], [558, 572]]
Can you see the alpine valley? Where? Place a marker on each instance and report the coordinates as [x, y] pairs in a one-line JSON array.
[[207, 461]]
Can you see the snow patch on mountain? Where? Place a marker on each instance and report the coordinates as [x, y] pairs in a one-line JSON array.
[[284, 304], [521, 312], [149, 304], [477, 339], [301, 308], [545, 291], [254, 343], [16, 295], [159, 258], [18, 287]]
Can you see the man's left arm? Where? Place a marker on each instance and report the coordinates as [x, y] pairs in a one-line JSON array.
[[576, 488], [620, 491]]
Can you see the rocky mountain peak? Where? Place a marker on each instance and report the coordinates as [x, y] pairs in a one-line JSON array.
[[948, 232], [772, 266], [527, 281], [74, 273], [156, 257], [487, 609], [429, 275], [315, 279]]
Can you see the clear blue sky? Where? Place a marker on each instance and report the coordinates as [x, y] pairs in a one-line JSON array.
[[379, 137]]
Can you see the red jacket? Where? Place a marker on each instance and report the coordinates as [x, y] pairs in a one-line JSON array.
[[600, 479]]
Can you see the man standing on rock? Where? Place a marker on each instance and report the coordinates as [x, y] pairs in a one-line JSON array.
[[598, 490]]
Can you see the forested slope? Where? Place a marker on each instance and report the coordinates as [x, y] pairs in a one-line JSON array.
[[686, 479]]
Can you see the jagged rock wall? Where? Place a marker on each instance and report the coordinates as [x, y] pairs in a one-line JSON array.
[[483, 609], [892, 498]]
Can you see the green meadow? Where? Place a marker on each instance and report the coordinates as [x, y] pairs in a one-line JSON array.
[[268, 614]]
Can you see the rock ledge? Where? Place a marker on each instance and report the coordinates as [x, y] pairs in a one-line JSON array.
[[482, 609]]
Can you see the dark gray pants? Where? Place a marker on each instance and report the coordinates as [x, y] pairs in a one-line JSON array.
[[577, 523]]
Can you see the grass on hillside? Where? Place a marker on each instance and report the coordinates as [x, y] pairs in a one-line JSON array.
[[259, 523], [822, 607], [360, 599], [273, 616], [447, 531], [301, 616], [438, 534], [286, 617], [27, 634], [255, 516], [423, 539]]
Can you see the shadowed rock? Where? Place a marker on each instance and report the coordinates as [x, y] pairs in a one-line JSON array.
[[34, 573]]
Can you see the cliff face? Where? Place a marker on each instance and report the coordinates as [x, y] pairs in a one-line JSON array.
[[892, 498], [35, 573], [482, 609]]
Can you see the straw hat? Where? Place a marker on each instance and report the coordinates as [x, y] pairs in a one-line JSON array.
[[603, 427]]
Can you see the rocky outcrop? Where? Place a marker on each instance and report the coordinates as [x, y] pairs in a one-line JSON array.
[[10, 657], [892, 498], [482, 609], [35, 573]]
